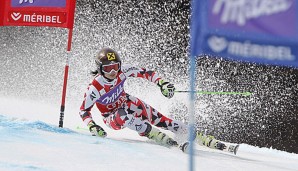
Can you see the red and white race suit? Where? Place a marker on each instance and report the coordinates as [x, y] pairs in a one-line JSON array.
[[120, 109]]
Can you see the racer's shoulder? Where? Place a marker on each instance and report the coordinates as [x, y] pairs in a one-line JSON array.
[[128, 68], [97, 82]]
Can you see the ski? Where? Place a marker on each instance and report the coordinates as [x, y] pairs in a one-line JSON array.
[[227, 147]]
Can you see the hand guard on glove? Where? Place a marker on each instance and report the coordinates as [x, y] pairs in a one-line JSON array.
[[167, 89], [96, 130]]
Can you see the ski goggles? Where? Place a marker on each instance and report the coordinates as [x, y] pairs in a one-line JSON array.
[[109, 68]]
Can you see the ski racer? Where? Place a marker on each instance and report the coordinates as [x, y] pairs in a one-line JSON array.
[[120, 110]]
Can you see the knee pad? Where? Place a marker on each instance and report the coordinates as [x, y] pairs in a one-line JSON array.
[[178, 127]]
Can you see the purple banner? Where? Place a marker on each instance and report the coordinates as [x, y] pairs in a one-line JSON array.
[[38, 3], [258, 31], [113, 95], [273, 17]]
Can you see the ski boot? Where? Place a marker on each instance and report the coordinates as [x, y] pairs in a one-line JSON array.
[[160, 137], [208, 141], [211, 142]]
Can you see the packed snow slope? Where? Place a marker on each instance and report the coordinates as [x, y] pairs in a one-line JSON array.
[[28, 143]]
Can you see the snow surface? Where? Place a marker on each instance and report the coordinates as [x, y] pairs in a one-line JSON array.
[[31, 140]]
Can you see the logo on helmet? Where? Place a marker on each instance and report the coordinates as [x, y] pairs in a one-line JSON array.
[[111, 56]]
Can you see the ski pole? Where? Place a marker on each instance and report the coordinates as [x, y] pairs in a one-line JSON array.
[[216, 93]]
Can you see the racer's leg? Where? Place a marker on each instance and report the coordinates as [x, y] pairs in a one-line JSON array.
[[122, 119], [146, 112]]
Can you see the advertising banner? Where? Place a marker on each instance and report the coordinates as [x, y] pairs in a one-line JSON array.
[[259, 31], [53, 13]]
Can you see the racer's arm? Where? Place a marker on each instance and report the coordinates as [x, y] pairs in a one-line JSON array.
[[90, 98], [166, 87]]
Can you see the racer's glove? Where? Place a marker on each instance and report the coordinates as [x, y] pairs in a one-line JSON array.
[[167, 89], [96, 130]]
